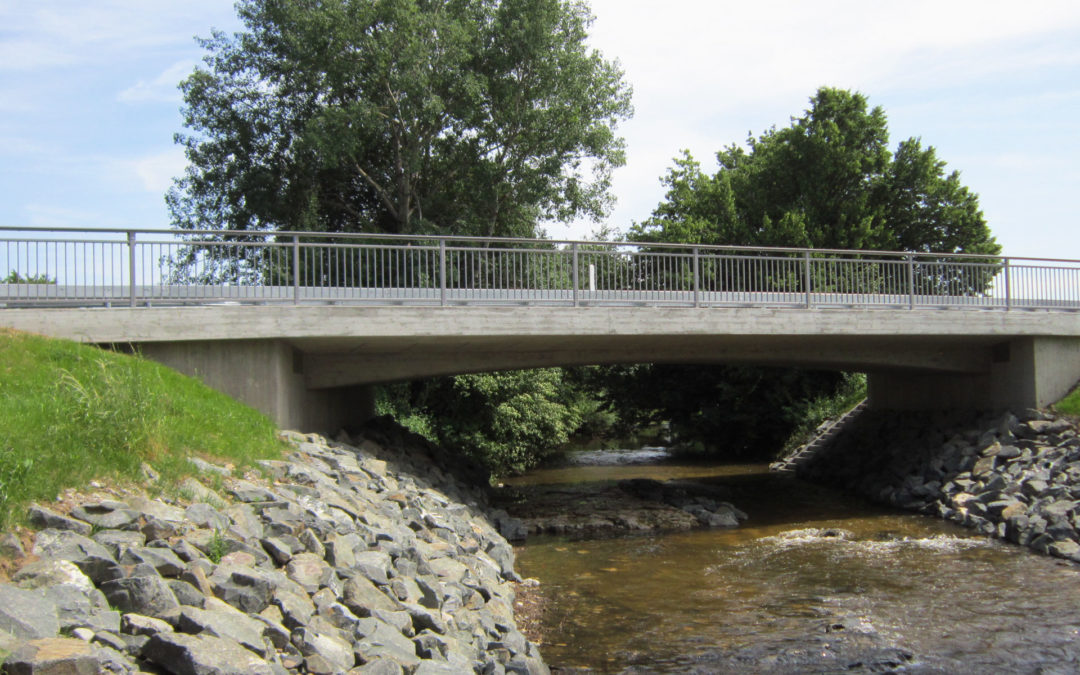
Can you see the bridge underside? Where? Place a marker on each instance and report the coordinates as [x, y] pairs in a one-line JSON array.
[[308, 367]]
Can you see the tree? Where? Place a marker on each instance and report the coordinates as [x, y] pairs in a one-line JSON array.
[[827, 181], [508, 421], [481, 117], [735, 411]]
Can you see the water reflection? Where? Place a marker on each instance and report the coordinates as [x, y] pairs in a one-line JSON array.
[[815, 582]]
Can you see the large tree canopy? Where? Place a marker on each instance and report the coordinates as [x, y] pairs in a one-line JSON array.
[[827, 181], [477, 117]]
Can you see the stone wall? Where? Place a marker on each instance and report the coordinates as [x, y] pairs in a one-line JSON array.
[[1013, 477], [371, 556]]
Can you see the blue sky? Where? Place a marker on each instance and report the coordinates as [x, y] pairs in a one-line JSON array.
[[88, 99]]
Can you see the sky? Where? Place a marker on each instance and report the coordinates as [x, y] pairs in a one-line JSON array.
[[89, 101]]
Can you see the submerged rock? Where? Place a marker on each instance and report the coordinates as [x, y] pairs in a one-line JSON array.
[[634, 505]]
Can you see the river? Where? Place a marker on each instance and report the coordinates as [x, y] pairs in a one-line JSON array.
[[813, 582]]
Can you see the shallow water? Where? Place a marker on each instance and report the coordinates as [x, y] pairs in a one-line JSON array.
[[815, 581]]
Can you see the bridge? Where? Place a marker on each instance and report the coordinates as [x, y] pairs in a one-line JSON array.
[[300, 324]]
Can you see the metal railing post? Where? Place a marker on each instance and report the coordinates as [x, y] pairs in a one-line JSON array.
[[1008, 289], [911, 281], [442, 272], [131, 268], [806, 278], [574, 273], [296, 268], [697, 279]]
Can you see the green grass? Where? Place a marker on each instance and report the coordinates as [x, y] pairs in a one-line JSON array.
[[71, 413], [1070, 405]]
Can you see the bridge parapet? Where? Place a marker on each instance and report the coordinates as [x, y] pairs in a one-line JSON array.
[[83, 267]]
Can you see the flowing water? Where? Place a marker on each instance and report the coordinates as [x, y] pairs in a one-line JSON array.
[[814, 582]]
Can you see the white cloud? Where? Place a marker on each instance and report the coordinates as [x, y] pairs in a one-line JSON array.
[[707, 73], [727, 54], [72, 33], [22, 148], [30, 54], [985, 81], [156, 172], [40, 215], [161, 89]]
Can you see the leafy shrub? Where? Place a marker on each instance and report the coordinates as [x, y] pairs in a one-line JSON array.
[[508, 421]]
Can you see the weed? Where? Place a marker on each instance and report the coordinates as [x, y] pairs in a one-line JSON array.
[[187, 494], [215, 550], [215, 481]]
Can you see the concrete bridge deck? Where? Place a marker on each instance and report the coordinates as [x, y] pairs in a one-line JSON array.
[[930, 330], [301, 363]]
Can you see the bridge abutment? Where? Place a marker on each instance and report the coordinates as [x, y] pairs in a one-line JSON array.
[[268, 376], [1029, 372]]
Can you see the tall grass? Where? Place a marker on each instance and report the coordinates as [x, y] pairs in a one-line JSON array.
[[70, 413], [1070, 405]]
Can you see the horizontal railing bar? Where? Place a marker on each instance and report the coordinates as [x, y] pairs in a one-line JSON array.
[[601, 245]]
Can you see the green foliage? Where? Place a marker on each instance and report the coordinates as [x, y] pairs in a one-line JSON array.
[[742, 412], [398, 401], [216, 548], [811, 413], [512, 420], [827, 181], [402, 116], [70, 413], [508, 421], [1070, 404], [14, 277]]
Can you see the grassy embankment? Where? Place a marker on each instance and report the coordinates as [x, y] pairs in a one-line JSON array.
[[1070, 405], [71, 413]]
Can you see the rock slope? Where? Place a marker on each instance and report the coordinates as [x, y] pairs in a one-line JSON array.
[[1008, 476], [375, 557]]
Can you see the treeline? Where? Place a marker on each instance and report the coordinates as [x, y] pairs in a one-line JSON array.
[[512, 421], [495, 117]]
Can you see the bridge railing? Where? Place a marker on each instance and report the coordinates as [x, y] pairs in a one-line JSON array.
[[165, 267]]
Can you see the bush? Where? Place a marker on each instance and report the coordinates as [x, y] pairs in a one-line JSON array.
[[508, 421]]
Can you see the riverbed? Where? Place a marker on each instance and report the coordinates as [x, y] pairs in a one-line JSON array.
[[815, 581]]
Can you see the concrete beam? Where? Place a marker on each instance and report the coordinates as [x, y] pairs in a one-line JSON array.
[[379, 362]]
